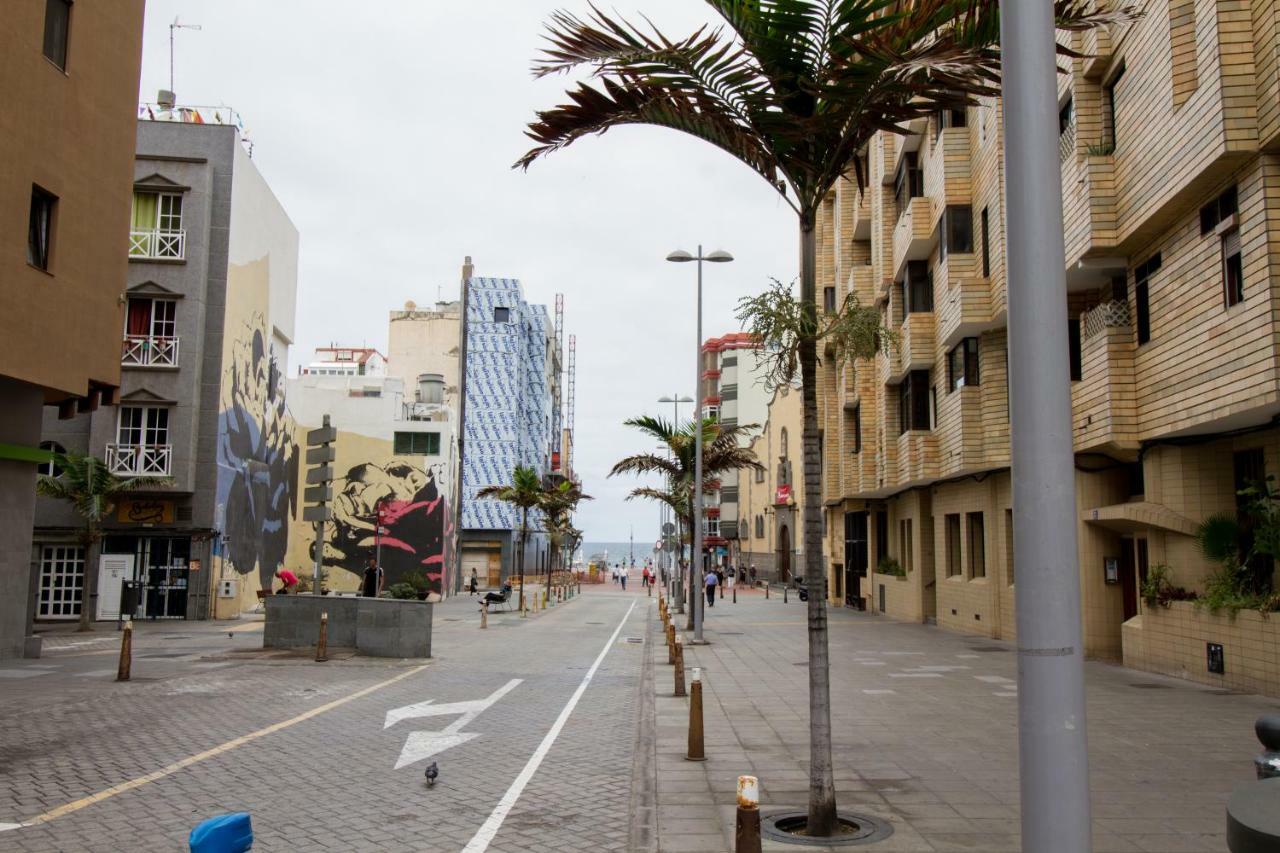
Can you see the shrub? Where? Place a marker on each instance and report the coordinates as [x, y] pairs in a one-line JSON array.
[[401, 590], [890, 566], [1158, 589]]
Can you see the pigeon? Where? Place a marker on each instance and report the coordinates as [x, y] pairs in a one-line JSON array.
[[432, 773]]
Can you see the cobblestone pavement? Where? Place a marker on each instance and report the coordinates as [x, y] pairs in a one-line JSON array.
[[925, 737], [211, 724]]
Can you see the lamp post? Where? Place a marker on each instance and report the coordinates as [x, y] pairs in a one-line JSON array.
[[680, 257], [677, 576]]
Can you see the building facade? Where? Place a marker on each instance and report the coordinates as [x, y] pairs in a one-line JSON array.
[[771, 501], [69, 75], [208, 317], [1170, 156]]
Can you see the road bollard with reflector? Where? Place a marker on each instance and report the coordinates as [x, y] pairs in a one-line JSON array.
[[679, 673], [747, 830], [322, 642], [484, 614], [696, 751], [126, 651]]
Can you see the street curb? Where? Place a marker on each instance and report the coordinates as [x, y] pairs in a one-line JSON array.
[[643, 832]]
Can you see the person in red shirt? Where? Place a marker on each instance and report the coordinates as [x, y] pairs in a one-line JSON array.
[[288, 580]]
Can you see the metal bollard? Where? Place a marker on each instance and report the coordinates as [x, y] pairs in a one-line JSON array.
[[784, 595], [735, 595], [696, 751], [766, 591], [679, 674], [126, 651], [1267, 728], [484, 614], [322, 642], [747, 829]]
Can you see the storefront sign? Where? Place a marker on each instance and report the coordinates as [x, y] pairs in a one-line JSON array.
[[194, 565], [783, 495], [144, 511]]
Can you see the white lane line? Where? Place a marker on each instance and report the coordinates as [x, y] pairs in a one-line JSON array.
[[871, 663], [995, 679], [878, 692], [1004, 694], [485, 835], [968, 656], [915, 675]]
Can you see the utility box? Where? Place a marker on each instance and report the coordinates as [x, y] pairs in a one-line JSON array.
[[229, 588]]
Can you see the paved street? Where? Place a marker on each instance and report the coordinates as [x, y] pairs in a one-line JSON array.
[[325, 782]]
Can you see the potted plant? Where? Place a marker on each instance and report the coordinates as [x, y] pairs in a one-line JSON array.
[[890, 566]]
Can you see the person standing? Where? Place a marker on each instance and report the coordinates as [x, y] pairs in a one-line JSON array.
[[732, 574], [371, 586], [753, 574], [475, 582], [712, 580], [622, 575], [720, 579]]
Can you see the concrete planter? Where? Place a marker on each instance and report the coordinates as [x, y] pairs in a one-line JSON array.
[[1174, 641], [378, 627]]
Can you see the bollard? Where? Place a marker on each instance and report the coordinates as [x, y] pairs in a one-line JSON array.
[[649, 587], [322, 643], [671, 644], [484, 614], [679, 691], [524, 610], [735, 595], [747, 830], [1267, 728], [696, 751], [126, 651], [766, 591], [784, 594]]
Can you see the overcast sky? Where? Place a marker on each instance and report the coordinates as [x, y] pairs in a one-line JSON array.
[[388, 128]]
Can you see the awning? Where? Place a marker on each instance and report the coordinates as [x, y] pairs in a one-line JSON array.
[[1138, 516]]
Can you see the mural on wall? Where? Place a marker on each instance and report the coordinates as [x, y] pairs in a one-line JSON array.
[[418, 524], [257, 456]]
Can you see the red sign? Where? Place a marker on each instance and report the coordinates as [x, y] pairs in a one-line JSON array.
[[784, 494]]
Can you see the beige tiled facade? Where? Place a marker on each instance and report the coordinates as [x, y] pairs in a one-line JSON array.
[[770, 518], [1170, 158]]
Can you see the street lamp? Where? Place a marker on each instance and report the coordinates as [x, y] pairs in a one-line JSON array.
[[681, 257], [676, 576]]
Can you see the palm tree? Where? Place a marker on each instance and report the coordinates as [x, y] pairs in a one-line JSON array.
[[524, 493], [721, 453], [559, 500], [794, 89], [88, 485]]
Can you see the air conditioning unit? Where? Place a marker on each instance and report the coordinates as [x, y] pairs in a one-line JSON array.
[[229, 588]]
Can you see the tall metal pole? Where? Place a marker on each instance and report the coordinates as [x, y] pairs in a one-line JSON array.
[[695, 561], [676, 571], [1052, 746], [461, 428]]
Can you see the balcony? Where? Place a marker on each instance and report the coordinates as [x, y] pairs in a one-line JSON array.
[[140, 460], [1089, 211], [149, 351], [916, 346], [1096, 46], [884, 156], [1104, 401], [947, 175], [862, 285], [917, 457], [913, 235], [964, 304], [154, 244]]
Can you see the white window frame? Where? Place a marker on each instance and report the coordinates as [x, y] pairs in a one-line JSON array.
[[62, 569]]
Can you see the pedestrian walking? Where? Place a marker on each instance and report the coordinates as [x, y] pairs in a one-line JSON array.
[[720, 579], [622, 576], [732, 575], [475, 583], [753, 574], [371, 586], [712, 581]]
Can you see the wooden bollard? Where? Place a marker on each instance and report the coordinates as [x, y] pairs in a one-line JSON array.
[[784, 594], [322, 642], [679, 691], [696, 751], [524, 608], [126, 651], [484, 614], [766, 591], [747, 828], [671, 644]]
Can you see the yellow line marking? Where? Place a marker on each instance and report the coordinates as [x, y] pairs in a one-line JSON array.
[[170, 769]]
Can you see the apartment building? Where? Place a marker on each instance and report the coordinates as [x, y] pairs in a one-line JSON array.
[[1170, 157], [735, 393], [69, 74], [772, 500], [346, 361], [201, 339]]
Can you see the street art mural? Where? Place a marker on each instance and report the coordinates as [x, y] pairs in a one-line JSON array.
[[257, 456], [417, 522]]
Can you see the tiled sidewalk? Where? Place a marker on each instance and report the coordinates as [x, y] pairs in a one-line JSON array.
[[925, 737]]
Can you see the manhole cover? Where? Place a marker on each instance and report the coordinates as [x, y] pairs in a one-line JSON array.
[[801, 663], [731, 633], [854, 829], [1142, 686], [167, 655], [595, 623], [178, 637], [987, 649], [635, 639]]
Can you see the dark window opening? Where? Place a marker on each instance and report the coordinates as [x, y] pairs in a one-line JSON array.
[[40, 228], [1073, 348], [1110, 92], [962, 365], [57, 27], [882, 536], [977, 545], [1141, 296], [1066, 115], [1137, 479], [908, 183], [502, 315], [829, 300], [856, 415], [949, 118], [917, 288], [986, 245], [1219, 210], [1232, 268], [417, 444], [953, 544], [913, 402], [955, 231]]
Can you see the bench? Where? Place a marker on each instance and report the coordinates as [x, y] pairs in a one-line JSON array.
[[262, 599], [498, 598]]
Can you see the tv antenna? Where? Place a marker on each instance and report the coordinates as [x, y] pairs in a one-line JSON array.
[[177, 25]]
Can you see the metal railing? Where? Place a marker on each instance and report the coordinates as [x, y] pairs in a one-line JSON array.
[[157, 244], [1111, 314], [1067, 142], [139, 460], [149, 351]]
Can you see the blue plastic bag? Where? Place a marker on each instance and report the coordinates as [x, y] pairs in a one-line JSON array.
[[228, 833]]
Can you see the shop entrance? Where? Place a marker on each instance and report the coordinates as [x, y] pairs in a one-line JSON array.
[[163, 565], [856, 557]]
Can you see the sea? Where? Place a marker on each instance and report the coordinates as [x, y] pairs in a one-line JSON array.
[[616, 552]]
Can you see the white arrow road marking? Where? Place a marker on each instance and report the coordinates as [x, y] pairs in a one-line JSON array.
[[5, 827], [425, 744]]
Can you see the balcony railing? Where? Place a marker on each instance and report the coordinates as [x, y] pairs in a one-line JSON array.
[[140, 460], [155, 244], [1067, 142], [148, 351], [1112, 314]]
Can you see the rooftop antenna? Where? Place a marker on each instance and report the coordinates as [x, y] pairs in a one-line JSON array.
[[176, 25]]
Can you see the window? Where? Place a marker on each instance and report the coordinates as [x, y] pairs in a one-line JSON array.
[[856, 417], [977, 545], [1142, 296], [986, 245], [917, 288], [759, 475], [829, 300], [61, 579], [1066, 115], [712, 527], [955, 231], [906, 545], [948, 118], [913, 402], [416, 444], [1008, 543], [1232, 268], [908, 183], [759, 526], [1219, 210], [882, 535], [143, 426], [155, 230], [1109, 94], [1074, 358], [40, 228], [501, 315], [953, 544], [57, 27], [151, 318], [49, 469], [962, 365]]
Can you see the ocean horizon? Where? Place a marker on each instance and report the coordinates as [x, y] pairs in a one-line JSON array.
[[618, 551]]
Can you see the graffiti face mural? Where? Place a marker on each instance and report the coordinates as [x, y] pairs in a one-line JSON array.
[[257, 458], [417, 525]]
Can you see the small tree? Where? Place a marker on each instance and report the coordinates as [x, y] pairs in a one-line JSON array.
[[524, 493], [559, 501], [88, 485]]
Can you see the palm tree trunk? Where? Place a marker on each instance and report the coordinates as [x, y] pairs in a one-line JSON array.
[[822, 794], [677, 570], [691, 588], [524, 528], [89, 589]]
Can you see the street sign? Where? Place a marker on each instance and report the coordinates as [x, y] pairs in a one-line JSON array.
[[318, 494], [320, 455], [319, 475], [324, 435], [317, 513], [669, 529]]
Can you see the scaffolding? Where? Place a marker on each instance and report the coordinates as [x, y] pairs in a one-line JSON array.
[[572, 372], [557, 395]]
